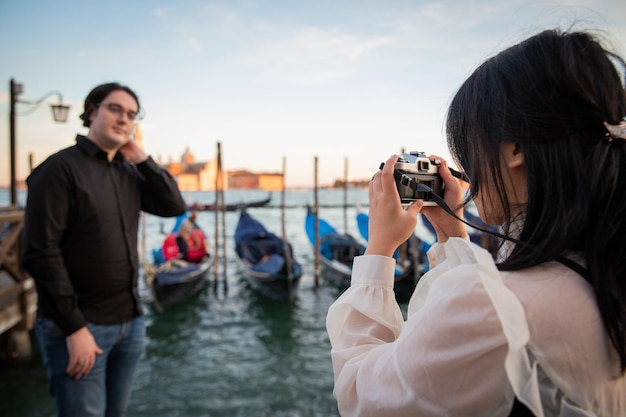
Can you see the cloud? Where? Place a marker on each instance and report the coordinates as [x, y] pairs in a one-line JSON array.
[[312, 56], [160, 12], [194, 43]]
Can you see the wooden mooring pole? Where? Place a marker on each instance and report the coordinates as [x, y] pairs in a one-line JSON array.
[[222, 209], [345, 195], [18, 296], [287, 247], [220, 222], [317, 272]]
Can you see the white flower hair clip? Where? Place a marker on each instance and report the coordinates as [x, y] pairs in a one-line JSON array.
[[615, 131]]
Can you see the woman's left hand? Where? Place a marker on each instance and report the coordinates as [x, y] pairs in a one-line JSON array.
[[445, 225], [390, 224]]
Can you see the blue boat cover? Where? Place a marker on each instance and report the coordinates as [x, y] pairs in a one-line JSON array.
[[249, 228], [325, 227], [179, 221], [176, 274], [342, 247], [271, 265], [362, 221], [253, 242]]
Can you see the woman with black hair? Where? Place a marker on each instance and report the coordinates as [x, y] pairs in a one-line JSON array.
[[539, 130]]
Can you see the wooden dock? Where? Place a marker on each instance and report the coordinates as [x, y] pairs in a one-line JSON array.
[[18, 296]]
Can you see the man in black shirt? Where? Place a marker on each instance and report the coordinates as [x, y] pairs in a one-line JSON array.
[[80, 245]]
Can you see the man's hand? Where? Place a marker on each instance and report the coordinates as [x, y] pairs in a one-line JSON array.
[[82, 349], [133, 153]]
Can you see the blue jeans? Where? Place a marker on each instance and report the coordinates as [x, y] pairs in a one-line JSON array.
[[106, 390]]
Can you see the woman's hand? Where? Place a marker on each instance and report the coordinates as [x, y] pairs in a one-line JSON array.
[[445, 225], [389, 224]]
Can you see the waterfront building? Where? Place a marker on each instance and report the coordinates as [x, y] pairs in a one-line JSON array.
[[195, 176], [243, 179], [200, 176]]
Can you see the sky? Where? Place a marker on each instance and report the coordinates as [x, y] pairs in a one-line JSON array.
[[348, 83]]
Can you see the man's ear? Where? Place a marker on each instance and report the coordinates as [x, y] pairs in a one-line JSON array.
[[512, 154], [91, 113]]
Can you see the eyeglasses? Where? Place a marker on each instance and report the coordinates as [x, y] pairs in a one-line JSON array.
[[118, 111]]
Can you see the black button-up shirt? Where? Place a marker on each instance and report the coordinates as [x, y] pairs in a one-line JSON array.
[[80, 232]]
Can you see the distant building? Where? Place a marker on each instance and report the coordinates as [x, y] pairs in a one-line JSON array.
[[195, 176], [200, 176], [243, 179], [271, 181]]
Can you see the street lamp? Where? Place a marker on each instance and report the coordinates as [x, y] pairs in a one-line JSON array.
[[59, 112]]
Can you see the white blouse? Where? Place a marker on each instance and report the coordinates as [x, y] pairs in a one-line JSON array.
[[474, 338]]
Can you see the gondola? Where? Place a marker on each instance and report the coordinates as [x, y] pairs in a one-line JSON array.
[[171, 280], [337, 251], [266, 260], [176, 281], [232, 207], [410, 261]]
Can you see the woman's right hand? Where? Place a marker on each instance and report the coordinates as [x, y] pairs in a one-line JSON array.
[[390, 225]]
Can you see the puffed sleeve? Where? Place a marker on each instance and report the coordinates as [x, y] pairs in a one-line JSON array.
[[446, 359]]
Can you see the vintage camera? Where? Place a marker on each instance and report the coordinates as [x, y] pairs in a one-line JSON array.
[[415, 168]]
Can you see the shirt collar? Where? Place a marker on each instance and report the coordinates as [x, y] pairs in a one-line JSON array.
[[91, 149]]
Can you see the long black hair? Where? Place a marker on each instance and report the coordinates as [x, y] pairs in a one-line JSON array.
[[550, 95]]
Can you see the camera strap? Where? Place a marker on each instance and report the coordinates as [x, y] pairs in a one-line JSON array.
[[415, 186]]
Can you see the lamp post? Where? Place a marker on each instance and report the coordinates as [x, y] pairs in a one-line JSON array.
[[59, 112]]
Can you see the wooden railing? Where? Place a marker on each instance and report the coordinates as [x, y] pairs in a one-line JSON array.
[[18, 296]]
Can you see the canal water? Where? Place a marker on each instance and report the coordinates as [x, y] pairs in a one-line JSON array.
[[229, 352]]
